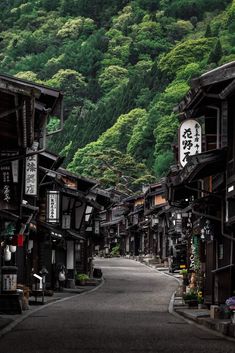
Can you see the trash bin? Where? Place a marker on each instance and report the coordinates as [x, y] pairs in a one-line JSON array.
[[9, 279]]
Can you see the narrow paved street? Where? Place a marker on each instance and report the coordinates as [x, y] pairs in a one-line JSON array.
[[127, 314]]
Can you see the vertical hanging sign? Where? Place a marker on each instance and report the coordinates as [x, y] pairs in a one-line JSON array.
[[31, 171], [53, 206], [190, 140], [9, 173], [66, 221]]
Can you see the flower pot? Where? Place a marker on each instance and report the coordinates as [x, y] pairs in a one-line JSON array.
[[233, 317], [191, 302], [200, 305]]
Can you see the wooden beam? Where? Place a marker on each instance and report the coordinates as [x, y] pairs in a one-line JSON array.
[[215, 76], [229, 89], [7, 87], [10, 111]]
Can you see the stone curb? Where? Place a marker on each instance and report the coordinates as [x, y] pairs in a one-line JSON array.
[[8, 327], [222, 328]]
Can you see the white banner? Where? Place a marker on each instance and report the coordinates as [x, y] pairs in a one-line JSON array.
[[53, 206], [190, 140], [31, 171]]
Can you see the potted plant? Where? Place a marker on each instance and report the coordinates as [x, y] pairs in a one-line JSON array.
[[199, 299], [230, 303], [190, 298], [81, 278], [184, 273]]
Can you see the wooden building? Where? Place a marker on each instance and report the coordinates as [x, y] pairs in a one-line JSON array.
[[204, 185], [25, 109], [136, 236], [113, 224], [155, 204], [63, 220]]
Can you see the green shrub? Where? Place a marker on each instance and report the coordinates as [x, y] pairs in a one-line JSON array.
[[81, 277], [184, 272], [116, 250], [191, 295]]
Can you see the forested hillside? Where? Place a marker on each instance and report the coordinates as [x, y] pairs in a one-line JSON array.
[[123, 66]]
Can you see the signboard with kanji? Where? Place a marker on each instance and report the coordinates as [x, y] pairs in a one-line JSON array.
[[31, 171], [53, 206], [9, 175], [66, 221], [190, 140]]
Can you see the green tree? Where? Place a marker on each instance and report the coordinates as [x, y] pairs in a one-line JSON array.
[[73, 84], [49, 5], [74, 27], [208, 32], [216, 53], [112, 76], [189, 51]]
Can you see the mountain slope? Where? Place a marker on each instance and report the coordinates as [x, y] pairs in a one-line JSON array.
[[116, 61]]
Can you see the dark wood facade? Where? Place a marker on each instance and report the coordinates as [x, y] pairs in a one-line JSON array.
[[207, 180], [46, 212]]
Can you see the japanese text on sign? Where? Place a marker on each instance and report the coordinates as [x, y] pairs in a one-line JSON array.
[[190, 140], [53, 206], [8, 175], [31, 172]]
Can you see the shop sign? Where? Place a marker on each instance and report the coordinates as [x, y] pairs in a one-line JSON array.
[[66, 221], [9, 282], [97, 227], [6, 180], [53, 206], [190, 140], [15, 171], [194, 257], [31, 171], [13, 165], [9, 173]]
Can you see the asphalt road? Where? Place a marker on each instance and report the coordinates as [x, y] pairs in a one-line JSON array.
[[127, 314]]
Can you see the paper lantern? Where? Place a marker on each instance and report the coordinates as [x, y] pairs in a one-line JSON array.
[[20, 240], [7, 254], [12, 248]]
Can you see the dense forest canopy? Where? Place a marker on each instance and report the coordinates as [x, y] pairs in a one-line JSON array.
[[123, 66]]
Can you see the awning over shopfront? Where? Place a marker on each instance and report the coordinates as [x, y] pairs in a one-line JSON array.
[[7, 214], [154, 209], [52, 228], [70, 190], [137, 210], [203, 165], [75, 235], [199, 166], [215, 84], [112, 223]]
